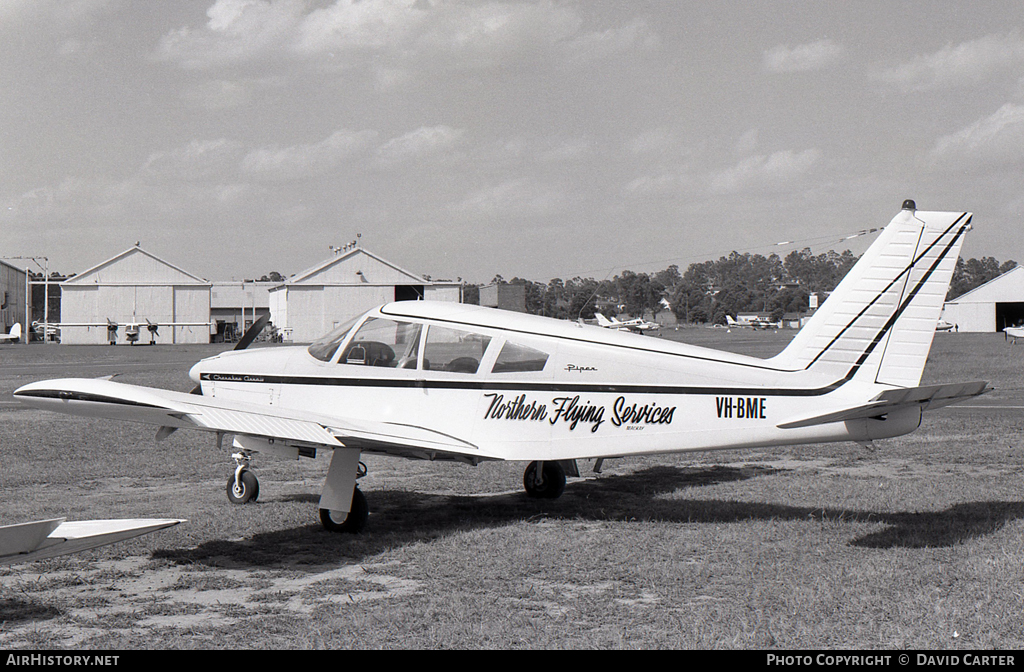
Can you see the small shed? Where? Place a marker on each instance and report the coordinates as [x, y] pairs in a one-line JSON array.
[[506, 296], [991, 307], [131, 288]]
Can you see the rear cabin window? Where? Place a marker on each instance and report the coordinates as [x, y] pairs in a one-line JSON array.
[[453, 350], [383, 342], [515, 358]]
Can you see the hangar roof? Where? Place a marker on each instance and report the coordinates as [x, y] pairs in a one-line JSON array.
[[355, 267], [135, 266], [1006, 288]]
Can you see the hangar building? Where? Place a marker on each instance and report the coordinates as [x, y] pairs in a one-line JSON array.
[[129, 289], [13, 301], [311, 303], [991, 307]]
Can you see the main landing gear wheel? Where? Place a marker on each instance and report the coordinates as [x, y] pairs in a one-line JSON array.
[[243, 487], [352, 522], [544, 480]]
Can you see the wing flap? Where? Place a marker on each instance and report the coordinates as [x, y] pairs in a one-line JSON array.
[[261, 424], [925, 397]]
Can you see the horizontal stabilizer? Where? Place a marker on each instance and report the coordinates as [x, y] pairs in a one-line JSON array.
[[49, 538], [925, 397]]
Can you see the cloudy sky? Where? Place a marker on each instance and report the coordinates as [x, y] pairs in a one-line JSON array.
[[531, 138]]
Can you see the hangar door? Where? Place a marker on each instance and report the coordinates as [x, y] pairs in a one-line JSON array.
[[408, 292], [1010, 314], [192, 304]]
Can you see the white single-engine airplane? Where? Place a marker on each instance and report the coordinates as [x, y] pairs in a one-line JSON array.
[[427, 380], [1013, 332], [637, 325]]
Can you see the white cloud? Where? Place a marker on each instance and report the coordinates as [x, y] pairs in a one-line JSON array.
[[803, 57], [761, 171], [55, 14], [754, 173], [611, 42], [516, 197], [421, 143], [992, 142], [308, 160], [348, 24], [197, 160], [669, 183], [404, 33], [965, 63], [238, 31], [218, 94]]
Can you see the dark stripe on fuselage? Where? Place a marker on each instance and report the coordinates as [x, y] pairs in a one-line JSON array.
[[593, 388]]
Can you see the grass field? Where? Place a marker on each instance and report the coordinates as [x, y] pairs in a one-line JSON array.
[[919, 544]]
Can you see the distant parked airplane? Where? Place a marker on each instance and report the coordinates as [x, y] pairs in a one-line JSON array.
[[1013, 332], [636, 325], [756, 323], [132, 329]]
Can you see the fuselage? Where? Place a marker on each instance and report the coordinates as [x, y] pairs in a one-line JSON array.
[[531, 388]]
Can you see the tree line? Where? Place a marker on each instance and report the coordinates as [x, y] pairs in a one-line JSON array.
[[708, 291]]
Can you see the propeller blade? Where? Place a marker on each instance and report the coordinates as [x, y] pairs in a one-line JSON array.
[[250, 335]]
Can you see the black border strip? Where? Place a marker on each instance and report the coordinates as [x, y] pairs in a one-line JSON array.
[[593, 388], [65, 395]]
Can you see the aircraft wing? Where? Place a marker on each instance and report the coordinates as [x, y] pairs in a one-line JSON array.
[[98, 397], [925, 397], [49, 538]]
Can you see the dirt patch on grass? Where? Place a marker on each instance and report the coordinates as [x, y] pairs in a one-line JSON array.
[[70, 606]]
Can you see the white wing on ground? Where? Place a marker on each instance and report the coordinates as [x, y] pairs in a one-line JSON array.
[[41, 539]]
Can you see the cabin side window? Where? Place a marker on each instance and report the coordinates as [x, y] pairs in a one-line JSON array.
[[453, 350], [383, 342], [515, 358]]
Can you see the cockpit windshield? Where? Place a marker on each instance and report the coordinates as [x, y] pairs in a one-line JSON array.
[[324, 347]]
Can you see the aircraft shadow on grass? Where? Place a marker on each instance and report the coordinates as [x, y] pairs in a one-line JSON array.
[[403, 517], [15, 610]]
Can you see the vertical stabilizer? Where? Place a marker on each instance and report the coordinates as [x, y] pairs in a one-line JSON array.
[[877, 326]]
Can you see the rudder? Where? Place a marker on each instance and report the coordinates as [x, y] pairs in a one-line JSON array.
[[878, 324]]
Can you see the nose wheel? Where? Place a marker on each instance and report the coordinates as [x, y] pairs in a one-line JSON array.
[[243, 486]]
